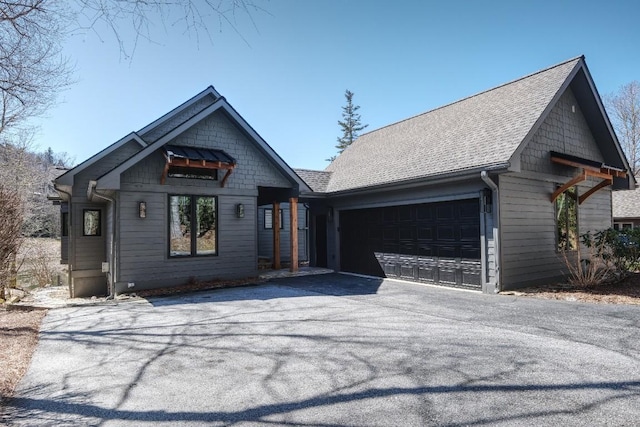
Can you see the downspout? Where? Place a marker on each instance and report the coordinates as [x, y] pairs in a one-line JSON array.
[[112, 264], [69, 237], [496, 226]]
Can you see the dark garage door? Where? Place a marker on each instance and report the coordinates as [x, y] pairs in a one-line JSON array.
[[430, 242]]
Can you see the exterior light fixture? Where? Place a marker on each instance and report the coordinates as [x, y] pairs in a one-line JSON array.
[[142, 209], [487, 199], [240, 210]]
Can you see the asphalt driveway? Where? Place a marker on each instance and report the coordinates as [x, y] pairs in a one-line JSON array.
[[335, 350]]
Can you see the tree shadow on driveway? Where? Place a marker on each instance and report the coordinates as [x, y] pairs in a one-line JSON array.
[[286, 354], [28, 409]]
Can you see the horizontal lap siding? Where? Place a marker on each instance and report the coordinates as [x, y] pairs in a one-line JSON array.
[[595, 212], [528, 235], [529, 228], [89, 250], [265, 236], [144, 243]]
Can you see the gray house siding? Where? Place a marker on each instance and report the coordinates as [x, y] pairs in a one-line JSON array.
[[158, 131], [527, 223], [265, 235], [64, 237], [563, 131], [528, 229], [217, 132], [143, 242], [88, 254], [144, 246], [102, 166]]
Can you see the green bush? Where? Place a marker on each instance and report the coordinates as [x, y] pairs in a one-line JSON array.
[[619, 249]]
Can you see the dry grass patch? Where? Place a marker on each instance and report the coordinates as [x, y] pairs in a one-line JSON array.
[[18, 339]]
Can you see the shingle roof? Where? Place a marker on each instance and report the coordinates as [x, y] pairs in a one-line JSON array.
[[482, 130], [626, 204], [317, 180]]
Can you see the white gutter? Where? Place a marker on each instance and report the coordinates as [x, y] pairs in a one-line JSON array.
[[91, 191], [496, 225]]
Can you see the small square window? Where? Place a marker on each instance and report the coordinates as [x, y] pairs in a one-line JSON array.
[[91, 224]]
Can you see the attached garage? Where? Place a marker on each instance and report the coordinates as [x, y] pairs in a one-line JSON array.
[[428, 242]]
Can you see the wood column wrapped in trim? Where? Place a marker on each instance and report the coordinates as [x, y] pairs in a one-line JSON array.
[[276, 235], [293, 225]]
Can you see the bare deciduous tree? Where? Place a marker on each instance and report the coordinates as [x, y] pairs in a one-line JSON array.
[[30, 173], [144, 17], [624, 108], [32, 68], [10, 233]]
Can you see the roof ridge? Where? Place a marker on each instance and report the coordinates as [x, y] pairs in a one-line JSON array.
[[477, 94], [311, 170], [209, 90]]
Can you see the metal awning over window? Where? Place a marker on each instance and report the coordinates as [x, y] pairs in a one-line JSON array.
[[198, 161], [587, 168]]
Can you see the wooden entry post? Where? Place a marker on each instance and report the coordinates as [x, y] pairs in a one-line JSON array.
[[275, 220], [293, 225]]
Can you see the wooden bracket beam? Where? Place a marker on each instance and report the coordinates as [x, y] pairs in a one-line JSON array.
[[165, 171], [604, 169], [602, 184], [226, 176], [571, 183], [201, 164]]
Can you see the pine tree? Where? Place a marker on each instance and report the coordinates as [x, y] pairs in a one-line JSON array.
[[351, 124]]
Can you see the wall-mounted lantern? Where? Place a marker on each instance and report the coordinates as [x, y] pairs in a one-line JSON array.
[[240, 210], [487, 199], [142, 209]]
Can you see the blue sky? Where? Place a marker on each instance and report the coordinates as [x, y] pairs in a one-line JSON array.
[[286, 75]]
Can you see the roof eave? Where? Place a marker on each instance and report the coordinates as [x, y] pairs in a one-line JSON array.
[[111, 180], [67, 177], [208, 91], [459, 175]]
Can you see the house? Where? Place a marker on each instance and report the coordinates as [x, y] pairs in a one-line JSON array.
[[176, 200], [626, 209], [484, 193]]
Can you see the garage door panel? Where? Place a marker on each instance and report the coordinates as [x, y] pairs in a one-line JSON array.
[[424, 212], [425, 233], [406, 213], [469, 252], [444, 251], [469, 232], [444, 212], [446, 232], [436, 242], [468, 211]]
